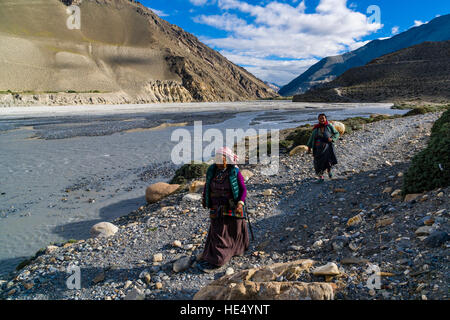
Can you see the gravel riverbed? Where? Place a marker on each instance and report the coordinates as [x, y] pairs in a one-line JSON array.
[[301, 219]]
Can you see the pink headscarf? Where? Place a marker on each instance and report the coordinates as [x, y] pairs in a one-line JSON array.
[[231, 156]]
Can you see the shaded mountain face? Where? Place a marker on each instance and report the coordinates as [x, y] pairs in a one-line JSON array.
[[122, 50], [418, 72], [331, 67]]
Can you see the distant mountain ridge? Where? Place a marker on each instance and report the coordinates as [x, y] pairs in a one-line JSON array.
[[272, 85], [123, 53], [420, 72], [330, 68]]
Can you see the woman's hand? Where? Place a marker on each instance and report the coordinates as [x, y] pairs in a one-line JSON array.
[[330, 140], [239, 208]]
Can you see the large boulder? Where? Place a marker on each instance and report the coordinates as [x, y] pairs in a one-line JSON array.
[[298, 149], [247, 174], [159, 190], [339, 126], [261, 284], [103, 229]]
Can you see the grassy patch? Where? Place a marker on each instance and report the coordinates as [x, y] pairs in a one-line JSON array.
[[279, 98], [189, 171], [426, 109]]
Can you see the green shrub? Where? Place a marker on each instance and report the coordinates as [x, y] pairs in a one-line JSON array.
[[26, 262], [286, 144], [189, 171], [426, 109], [300, 136], [430, 169]]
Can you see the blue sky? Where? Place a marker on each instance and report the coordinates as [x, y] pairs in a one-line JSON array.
[[278, 40]]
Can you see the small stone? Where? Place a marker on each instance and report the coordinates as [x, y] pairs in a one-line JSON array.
[[317, 244], [51, 249], [127, 284], [353, 246], [28, 285], [424, 231], [354, 221], [99, 278], [440, 194], [387, 190], [330, 269], [135, 294], [268, 192], [12, 291], [396, 193], [400, 174], [177, 244], [193, 197], [159, 285], [158, 257], [427, 221], [182, 264], [412, 196], [229, 271], [384, 222], [436, 239], [420, 287], [296, 248]]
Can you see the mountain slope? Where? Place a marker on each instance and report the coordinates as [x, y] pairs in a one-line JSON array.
[[329, 68], [122, 53], [418, 72]]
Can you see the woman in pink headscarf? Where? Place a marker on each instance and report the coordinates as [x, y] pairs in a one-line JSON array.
[[224, 195]]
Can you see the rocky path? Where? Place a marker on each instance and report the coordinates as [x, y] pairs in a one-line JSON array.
[[293, 217]]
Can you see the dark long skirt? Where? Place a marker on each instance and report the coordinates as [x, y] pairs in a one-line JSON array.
[[227, 237], [324, 157]]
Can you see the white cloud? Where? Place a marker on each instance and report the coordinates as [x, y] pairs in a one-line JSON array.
[[278, 71], [201, 2], [418, 23], [286, 31], [159, 12], [395, 30]]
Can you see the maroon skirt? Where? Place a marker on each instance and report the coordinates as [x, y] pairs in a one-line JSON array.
[[227, 237]]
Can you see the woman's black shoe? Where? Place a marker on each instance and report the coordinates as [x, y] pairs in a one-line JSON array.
[[207, 267]]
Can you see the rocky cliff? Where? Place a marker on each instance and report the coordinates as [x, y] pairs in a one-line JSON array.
[[122, 53], [419, 72]]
